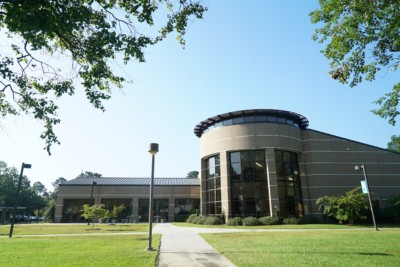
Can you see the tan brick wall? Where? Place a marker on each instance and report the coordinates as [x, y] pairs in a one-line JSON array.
[[132, 192], [326, 162]]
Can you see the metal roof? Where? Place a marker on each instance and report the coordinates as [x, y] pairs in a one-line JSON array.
[[124, 181], [297, 118]]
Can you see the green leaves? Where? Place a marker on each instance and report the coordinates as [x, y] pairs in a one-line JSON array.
[[90, 34], [361, 37], [389, 104], [394, 145], [349, 207]]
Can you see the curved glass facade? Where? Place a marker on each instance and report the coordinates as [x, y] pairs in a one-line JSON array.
[[213, 181], [249, 185]]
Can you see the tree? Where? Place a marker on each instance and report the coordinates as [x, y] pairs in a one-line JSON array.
[[350, 207], [90, 34], [50, 210], [362, 39], [94, 212], [28, 196], [40, 188], [116, 211], [394, 143], [392, 209], [57, 182], [89, 174], [193, 174]]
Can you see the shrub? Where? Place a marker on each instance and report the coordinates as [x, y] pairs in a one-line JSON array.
[[192, 218], [268, 220], [235, 221], [392, 209], [201, 220], [307, 219], [291, 220], [251, 221], [212, 220], [350, 207], [183, 216]]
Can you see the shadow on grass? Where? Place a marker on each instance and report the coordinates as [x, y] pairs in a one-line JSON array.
[[302, 252]]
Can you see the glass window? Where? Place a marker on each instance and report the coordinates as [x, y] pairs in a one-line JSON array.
[[227, 122], [260, 118], [72, 210], [218, 124], [249, 187], [238, 120], [213, 185], [249, 119], [184, 207], [282, 120], [289, 189], [235, 157]]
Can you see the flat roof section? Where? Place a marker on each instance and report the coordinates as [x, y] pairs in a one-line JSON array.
[[289, 117]]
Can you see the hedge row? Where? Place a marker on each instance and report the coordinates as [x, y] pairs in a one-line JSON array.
[[248, 221]]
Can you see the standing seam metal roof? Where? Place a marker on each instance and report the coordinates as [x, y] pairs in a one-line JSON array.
[[129, 181]]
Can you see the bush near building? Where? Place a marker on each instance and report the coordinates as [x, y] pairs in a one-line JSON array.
[[348, 208]]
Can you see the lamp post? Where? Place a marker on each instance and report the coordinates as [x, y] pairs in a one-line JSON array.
[[153, 151], [24, 166], [91, 196], [358, 167]]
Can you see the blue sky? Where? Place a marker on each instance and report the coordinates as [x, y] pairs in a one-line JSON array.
[[240, 56]]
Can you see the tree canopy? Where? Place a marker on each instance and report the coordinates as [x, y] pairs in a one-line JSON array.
[[29, 197], [89, 174], [394, 143], [90, 34], [363, 38], [193, 174]]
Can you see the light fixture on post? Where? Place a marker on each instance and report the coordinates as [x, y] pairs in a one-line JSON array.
[[91, 197], [24, 166], [153, 151], [357, 168]]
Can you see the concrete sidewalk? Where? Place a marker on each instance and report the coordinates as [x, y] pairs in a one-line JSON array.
[[182, 246]]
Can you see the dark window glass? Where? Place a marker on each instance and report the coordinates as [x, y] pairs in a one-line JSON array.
[[184, 207], [260, 118], [282, 120], [249, 119], [289, 190], [72, 210], [238, 120], [213, 181], [249, 187]]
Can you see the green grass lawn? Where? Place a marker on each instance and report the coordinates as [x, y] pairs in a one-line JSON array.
[[310, 248], [46, 228], [280, 226], [107, 250]]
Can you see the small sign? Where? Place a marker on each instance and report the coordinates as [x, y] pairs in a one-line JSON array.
[[364, 187]]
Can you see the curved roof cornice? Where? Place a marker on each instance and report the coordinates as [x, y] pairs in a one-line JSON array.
[[296, 118]]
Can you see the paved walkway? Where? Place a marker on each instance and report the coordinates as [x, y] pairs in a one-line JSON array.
[[182, 246]]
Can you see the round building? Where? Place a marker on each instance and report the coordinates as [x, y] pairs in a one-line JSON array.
[[266, 162]]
